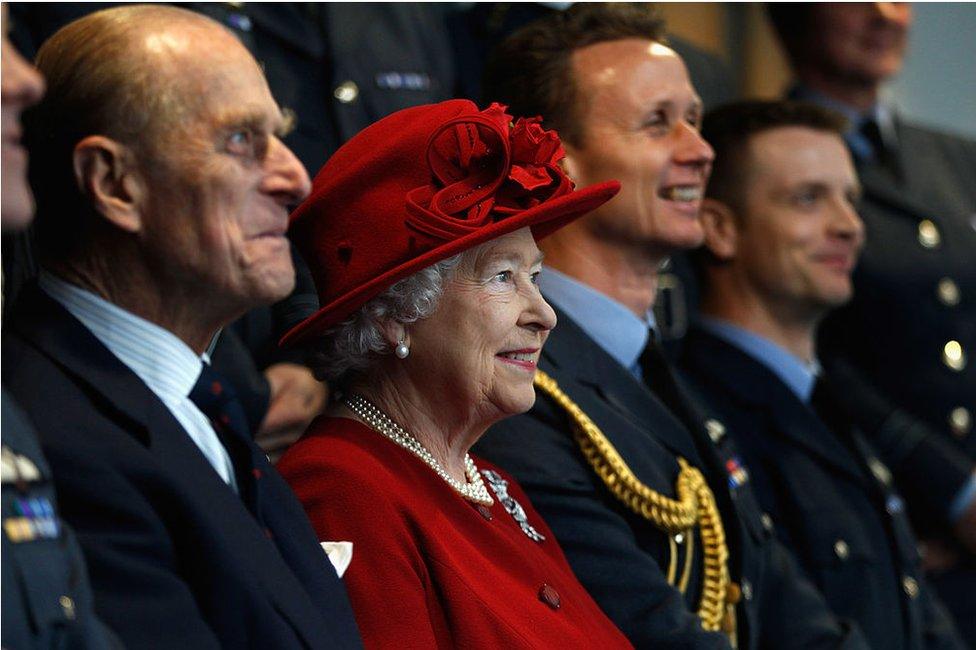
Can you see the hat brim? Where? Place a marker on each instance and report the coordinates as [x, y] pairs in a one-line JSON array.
[[544, 219]]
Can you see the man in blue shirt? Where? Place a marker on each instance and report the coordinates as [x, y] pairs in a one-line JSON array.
[[644, 490], [782, 236]]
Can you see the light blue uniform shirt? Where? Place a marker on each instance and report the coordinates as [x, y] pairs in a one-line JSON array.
[[800, 378], [616, 329], [167, 365]]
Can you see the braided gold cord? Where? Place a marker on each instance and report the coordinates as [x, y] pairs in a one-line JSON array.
[[695, 505]]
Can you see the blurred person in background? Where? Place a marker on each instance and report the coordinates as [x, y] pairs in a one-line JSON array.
[[910, 330], [47, 599]]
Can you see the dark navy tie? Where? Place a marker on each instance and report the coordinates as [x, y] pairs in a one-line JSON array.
[[215, 397]]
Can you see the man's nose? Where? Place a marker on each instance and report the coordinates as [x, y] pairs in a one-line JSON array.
[[287, 179]]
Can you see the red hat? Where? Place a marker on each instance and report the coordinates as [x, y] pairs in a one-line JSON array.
[[422, 185]]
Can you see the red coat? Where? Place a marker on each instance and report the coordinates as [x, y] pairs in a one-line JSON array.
[[429, 570]]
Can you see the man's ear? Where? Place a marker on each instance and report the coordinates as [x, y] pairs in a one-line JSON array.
[[569, 164], [106, 172], [721, 229]]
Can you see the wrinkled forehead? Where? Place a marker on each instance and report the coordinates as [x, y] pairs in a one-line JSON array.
[[214, 83]]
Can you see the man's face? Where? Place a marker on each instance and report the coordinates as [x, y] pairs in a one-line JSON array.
[[799, 234], [860, 41], [219, 179], [21, 87], [640, 118]]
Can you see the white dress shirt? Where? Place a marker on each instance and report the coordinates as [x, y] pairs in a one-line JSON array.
[[162, 361]]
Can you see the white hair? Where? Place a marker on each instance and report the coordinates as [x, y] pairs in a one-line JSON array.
[[354, 344]]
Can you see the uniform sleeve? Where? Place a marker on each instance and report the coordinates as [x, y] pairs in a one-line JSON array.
[[386, 580], [135, 577], [595, 536]]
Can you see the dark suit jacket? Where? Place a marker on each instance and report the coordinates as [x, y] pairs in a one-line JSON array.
[[897, 325], [847, 527], [618, 556], [176, 560]]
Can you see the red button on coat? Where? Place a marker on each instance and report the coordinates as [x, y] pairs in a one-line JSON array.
[[549, 596]]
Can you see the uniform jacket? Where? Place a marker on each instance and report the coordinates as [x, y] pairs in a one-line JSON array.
[[175, 558], [430, 569], [621, 558], [911, 297], [47, 601], [829, 496], [339, 67]]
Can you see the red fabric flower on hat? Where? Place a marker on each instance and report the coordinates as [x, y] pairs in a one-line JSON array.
[[533, 150], [484, 168]]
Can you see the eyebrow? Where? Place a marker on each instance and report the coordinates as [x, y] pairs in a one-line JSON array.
[[252, 118], [512, 257]]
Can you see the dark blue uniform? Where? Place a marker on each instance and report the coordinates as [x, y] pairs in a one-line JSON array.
[[622, 558], [831, 498], [47, 601]]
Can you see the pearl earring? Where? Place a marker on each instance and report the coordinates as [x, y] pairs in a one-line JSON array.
[[401, 350]]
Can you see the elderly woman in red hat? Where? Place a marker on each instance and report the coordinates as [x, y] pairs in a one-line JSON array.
[[421, 233]]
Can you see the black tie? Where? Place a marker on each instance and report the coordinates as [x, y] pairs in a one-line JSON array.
[[215, 397]]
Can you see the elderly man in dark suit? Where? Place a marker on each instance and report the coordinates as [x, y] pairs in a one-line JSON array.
[[911, 327], [162, 193], [644, 490], [781, 238]]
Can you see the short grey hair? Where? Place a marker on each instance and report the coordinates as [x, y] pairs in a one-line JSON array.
[[354, 344]]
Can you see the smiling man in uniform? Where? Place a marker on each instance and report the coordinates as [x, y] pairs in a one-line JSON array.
[[642, 487], [782, 239]]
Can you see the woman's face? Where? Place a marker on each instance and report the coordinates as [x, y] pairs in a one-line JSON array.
[[478, 351]]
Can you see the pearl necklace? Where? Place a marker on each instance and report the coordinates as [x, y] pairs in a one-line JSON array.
[[472, 490]]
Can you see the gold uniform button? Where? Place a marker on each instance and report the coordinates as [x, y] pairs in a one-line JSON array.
[[954, 356], [679, 538], [67, 606], [882, 473], [767, 522], [928, 234], [948, 292], [715, 429], [346, 92], [841, 549], [910, 585], [960, 421]]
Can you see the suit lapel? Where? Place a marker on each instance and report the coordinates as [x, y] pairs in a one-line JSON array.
[[751, 383], [66, 342], [578, 358]]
